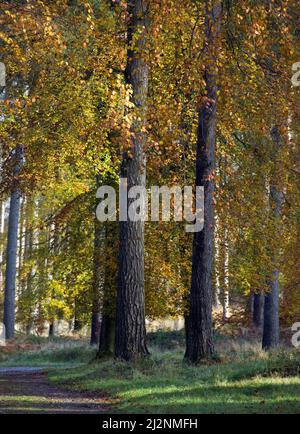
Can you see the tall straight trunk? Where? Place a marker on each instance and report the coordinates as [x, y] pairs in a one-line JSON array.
[[11, 252], [223, 263], [21, 246], [130, 318], [53, 245], [98, 277], [199, 343], [271, 329], [26, 284], [2, 231]]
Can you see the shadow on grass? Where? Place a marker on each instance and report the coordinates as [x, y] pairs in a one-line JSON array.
[[236, 398], [176, 388]]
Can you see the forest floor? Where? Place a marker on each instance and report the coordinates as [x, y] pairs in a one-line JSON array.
[[241, 379]]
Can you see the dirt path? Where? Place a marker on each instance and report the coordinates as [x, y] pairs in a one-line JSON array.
[[27, 390]]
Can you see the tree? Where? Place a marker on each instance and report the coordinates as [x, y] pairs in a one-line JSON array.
[[258, 308], [130, 318], [271, 307], [12, 243], [97, 284], [199, 343]]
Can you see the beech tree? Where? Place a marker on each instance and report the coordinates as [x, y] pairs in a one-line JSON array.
[[199, 343], [130, 318], [271, 304], [12, 244]]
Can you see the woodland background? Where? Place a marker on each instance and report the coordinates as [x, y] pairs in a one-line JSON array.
[[70, 112]]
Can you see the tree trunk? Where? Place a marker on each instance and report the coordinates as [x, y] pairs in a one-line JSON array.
[[11, 252], [199, 343], [98, 278], [130, 318], [51, 330], [2, 232], [108, 298], [107, 336], [25, 258], [258, 309], [77, 322], [271, 309], [222, 272], [271, 315]]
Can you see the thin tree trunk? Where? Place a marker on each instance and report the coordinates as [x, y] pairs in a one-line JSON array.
[[271, 309], [222, 272], [11, 252], [26, 284], [98, 278], [53, 244], [199, 343], [2, 232], [130, 318]]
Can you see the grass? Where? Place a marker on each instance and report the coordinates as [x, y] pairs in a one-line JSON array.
[[37, 351], [244, 379]]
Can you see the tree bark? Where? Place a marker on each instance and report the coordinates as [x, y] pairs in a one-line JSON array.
[[26, 291], [271, 328], [130, 318], [2, 232], [199, 343], [99, 277], [12, 244]]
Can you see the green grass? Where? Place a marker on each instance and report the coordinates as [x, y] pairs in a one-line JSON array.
[[242, 379], [245, 380], [54, 352]]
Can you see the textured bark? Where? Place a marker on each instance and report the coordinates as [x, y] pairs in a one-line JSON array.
[[223, 278], [53, 245], [26, 284], [199, 343], [271, 309], [11, 252], [98, 280], [2, 253], [130, 318]]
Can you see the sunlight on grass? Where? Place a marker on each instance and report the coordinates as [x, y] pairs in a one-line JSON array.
[[262, 383]]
